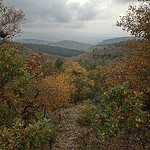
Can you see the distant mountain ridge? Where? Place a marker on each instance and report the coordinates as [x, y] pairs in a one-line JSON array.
[[65, 43], [114, 40], [70, 44], [34, 41], [73, 44]]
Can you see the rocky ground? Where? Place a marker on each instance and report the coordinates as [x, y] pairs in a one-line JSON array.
[[70, 132]]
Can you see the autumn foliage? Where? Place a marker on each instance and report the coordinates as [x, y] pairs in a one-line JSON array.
[[54, 91], [81, 84], [122, 120], [10, 20], [134, 67], [33, 91], [11, 77]]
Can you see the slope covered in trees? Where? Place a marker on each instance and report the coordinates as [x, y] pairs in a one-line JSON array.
[[53, 50], [114, 40], [65, 43]]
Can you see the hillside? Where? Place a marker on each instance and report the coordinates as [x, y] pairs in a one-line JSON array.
[[73, 44], [114, 40], [107, 52], [53, 50], [100, 56], [34, 41], [65, 43]]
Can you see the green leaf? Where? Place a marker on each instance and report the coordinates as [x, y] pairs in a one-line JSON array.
[[5, 103]]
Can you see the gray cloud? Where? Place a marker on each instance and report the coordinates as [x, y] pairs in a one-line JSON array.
[[74, 6], [87, 12], [52, 13], [95, 16], [43, 11]]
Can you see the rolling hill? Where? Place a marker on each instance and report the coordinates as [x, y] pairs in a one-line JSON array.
[[53, 50], [65, 43], [114, 40], [108, 52], [34, 41], [73, 45]]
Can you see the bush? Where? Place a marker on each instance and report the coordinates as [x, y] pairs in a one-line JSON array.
[[31, 137], [122, 118]]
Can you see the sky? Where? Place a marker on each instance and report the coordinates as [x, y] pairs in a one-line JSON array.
[[89, 21]]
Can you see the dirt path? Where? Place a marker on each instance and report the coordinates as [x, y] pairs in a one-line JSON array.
[[69, 130]]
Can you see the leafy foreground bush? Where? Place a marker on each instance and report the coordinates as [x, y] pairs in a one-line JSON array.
[[31, 137], [122, 118], [121, 122]]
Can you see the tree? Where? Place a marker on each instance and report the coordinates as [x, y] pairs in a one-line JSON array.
[[137, 20], [12, 75], [135, 67], [10, 20], [58, 64], [55, 91], [20, 128], [82, 84]]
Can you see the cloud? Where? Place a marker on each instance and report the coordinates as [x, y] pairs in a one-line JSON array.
[[76, 25], [74, 6], [87, 12], [83, 16], [83, 12], [61, 14], [43, 11], [52, 13]]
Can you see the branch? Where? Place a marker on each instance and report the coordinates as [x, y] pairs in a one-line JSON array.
[[36, 74], [26, 109], [142, 142], [37, 94]]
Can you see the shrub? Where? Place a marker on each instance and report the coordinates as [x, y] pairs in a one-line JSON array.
[[122, 118], [33, 136]]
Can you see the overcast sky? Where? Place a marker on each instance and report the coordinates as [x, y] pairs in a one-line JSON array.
[[88, 21]]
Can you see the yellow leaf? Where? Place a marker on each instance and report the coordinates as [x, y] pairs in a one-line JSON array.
[[137, 125]]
